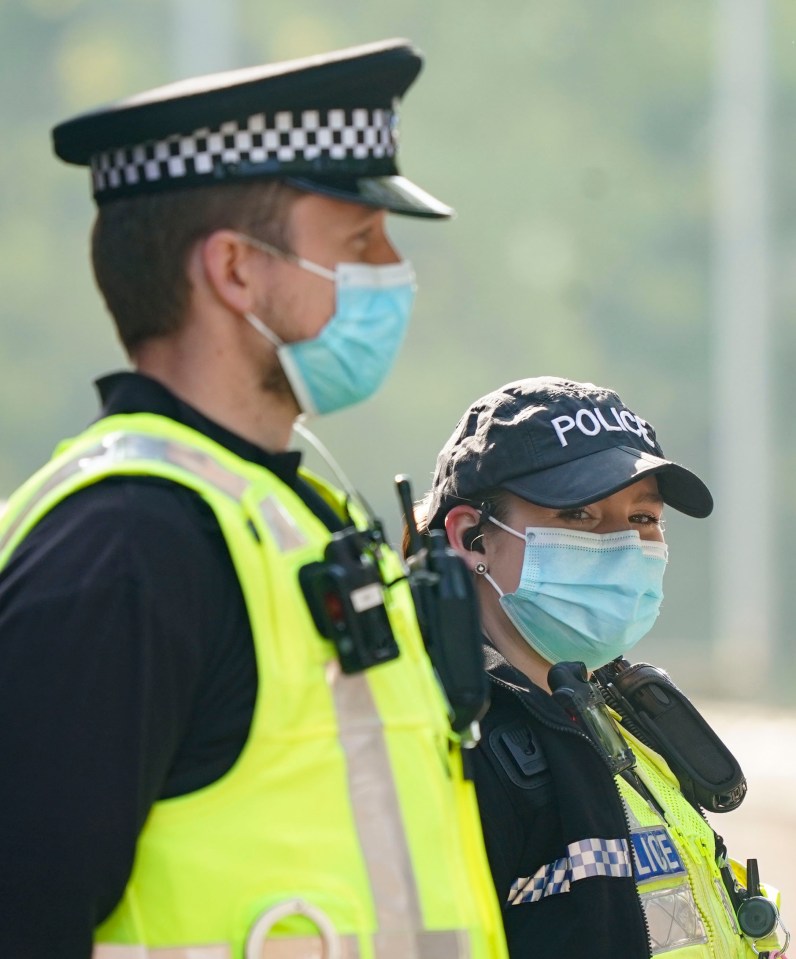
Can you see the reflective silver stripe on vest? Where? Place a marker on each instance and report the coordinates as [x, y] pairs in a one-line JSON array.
[[107, 950], [431, 945], [722, 892], [377, 815], [673, 919], [127, 447], [283, 529], [299, 947], [307, 948], [59, 476]]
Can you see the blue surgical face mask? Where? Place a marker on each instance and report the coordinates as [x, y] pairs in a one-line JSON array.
[[352, 355], [585, 597]]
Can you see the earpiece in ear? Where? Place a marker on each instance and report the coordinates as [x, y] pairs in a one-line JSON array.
[[470, 539]]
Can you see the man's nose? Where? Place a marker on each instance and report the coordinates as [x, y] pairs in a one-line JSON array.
[[381, 251]]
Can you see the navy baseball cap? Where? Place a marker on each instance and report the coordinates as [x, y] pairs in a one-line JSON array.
[[325, 124], [559, 444]]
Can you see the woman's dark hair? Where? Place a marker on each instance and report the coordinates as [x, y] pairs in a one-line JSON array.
[[492, 502]]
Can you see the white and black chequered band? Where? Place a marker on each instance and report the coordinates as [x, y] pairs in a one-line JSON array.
[[585, 859], [352, 141]]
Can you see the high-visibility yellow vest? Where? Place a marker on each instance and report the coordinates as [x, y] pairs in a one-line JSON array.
[[345, 828], [688, 911]]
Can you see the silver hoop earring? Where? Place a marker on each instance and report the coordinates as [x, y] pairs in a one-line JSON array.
[[480, 568]]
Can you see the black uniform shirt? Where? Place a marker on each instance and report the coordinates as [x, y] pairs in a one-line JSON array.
[[541, 787], [127, 674]]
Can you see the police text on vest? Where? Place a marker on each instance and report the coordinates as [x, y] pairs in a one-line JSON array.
[[654, 854]]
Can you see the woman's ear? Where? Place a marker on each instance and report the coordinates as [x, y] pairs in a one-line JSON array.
[[461, 526]]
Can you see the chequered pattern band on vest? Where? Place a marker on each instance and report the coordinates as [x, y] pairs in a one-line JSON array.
[[279, 138], [584, 859]]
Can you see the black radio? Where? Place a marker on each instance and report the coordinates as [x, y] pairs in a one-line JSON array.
[[660, 715], [447, 612]]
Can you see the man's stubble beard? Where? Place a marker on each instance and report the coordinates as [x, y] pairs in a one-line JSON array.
[[274, 381], [272, 378]]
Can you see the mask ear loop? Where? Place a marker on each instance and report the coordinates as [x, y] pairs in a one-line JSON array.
[[265, 247], [508, 529], [484, 515]]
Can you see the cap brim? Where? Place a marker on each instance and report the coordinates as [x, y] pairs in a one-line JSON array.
[[591, 478], [393, 193]]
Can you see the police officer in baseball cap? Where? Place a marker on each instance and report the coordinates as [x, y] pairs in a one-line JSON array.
[[552, 492], [189, 769]]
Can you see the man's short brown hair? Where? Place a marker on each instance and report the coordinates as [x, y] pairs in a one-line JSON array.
[[140, 247]]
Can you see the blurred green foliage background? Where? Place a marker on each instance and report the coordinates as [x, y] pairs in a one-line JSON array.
[[574, 140]]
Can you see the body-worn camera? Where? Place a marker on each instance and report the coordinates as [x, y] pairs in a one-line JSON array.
[[345, 595]]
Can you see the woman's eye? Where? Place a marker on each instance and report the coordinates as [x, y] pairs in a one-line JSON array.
[[575, 515], [646, 519]]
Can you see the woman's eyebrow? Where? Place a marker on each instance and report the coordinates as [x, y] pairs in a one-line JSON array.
[[649, 498]]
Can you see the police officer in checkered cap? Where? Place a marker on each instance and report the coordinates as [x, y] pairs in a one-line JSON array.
[[189, 770], [553, 492]]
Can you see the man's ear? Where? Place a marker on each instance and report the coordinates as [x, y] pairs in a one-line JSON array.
[[461, 526], [231, 267]]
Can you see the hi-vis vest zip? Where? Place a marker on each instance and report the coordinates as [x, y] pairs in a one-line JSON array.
[[687, 908], [345, 830]]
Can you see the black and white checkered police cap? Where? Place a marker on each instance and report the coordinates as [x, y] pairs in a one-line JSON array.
[[559, 444], [326, 124]]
